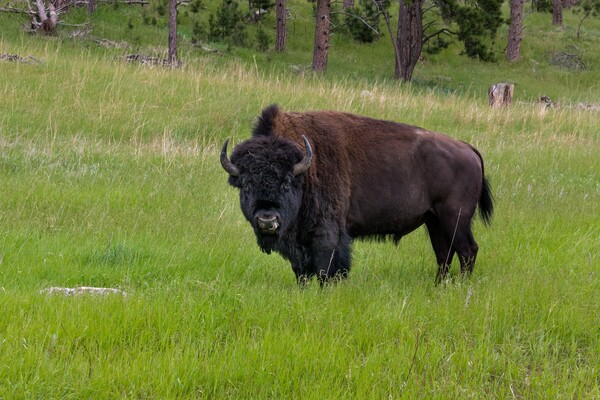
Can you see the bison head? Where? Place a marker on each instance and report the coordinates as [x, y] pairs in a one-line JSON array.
[[269, 172]]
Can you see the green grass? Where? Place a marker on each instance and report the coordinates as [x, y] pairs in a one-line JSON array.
[[110, 177]]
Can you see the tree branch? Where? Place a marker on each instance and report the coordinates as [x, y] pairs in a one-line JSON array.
[[438, 33], [429, 8], [428, 25], [386, 16], [41, 10], [357, 17], [84, 25], [69, 4], [14, 10]]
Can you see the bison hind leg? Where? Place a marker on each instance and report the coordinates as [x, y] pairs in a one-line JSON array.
[[457, 227], [468, 254]]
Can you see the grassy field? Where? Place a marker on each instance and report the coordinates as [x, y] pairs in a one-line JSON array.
[[110, 177]]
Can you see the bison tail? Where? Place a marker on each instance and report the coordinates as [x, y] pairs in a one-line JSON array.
[[486, 203], [486, 200]]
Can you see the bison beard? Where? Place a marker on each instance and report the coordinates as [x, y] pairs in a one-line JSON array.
[[355, 177]]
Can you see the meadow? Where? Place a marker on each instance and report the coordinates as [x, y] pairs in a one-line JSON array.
[[109, 177]]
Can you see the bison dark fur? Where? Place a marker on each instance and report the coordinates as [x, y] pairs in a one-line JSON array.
[[312, 182]]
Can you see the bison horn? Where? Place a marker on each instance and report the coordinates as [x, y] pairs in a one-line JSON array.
[[228, 165], [303, 165]]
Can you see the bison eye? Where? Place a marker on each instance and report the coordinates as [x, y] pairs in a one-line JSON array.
[[287, 184], [244, 185]]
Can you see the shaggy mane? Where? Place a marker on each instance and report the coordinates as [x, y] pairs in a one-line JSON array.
[[264, 123]]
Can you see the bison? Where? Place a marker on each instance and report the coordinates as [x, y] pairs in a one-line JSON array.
[[311, 182]]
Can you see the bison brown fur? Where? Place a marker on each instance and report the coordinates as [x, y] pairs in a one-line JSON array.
[[311, 182]]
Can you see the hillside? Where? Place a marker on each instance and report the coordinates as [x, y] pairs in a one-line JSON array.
[[449, 71]]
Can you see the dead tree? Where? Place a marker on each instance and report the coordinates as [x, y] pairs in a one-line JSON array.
[[44, 14], [44, 18]]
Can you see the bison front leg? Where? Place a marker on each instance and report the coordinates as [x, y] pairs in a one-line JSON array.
[[302, 276], [333, 261], [301, 266]]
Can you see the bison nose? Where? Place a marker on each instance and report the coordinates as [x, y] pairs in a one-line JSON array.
[[267, 222]]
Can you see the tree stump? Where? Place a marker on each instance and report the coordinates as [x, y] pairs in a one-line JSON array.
[[501, 94]]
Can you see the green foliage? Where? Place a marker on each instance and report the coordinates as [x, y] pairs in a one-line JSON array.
[[160, 6], [199, 31], [478, 22], [590, 7], [543, 6], [196, 6], [362, 21], [259, 8], [585, 9], [436, 45], [263, 40], [155, 13], [227, 24]]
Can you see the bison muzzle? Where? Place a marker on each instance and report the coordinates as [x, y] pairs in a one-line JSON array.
[[310, 183]]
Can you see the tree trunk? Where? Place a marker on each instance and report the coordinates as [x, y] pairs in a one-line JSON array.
[[321, 36], [515, 30], [281, 27], [91, 6], [409, 38], [557, 7], [501, 94], [172, 56]]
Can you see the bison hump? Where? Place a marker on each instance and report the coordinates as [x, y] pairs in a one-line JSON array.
[[266, 120]]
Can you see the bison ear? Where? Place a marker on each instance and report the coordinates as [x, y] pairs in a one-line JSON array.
[[226, 163], [303, 165]]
